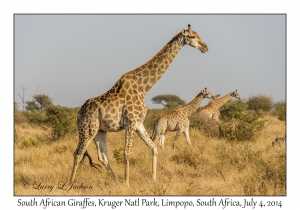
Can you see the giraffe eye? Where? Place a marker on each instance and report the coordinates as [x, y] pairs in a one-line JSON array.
[[192, 37]]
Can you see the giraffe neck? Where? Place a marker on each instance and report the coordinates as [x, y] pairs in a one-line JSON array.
[[221, 101], [192, 106], [148, 74]]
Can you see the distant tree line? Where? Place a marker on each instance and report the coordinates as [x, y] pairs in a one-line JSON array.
[[62, 120]]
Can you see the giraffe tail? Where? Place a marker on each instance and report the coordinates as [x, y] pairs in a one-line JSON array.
[[86, 154]]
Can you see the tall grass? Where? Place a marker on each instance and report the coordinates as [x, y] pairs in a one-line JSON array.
[[211, 166]]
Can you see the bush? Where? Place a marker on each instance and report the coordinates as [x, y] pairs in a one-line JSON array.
[[247, 126], [239, 123], [61, 120], [232, 109], [35, 117], [279, 110], [260, 103], [228, 112], [119, 157], [39, 103], [205, 125]]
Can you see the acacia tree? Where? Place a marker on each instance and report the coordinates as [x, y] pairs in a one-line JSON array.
[[168, 101], [39, 103]]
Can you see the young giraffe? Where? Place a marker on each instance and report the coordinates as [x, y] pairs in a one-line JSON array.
[[211, 110], [122, 107], [178, 120]]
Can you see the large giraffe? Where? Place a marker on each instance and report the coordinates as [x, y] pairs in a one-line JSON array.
[[122, 107], [178, 120], [211, 110]]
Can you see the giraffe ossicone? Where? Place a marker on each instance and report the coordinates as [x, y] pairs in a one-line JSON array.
[[178, 120], [122, 107]]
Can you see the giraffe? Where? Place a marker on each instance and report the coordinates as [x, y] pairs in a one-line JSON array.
[[178, 120], [211, 110], [123, 108]]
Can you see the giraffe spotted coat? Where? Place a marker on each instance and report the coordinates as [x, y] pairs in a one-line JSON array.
[[178, 120], [123, 108]]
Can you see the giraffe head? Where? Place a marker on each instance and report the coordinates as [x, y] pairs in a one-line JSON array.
[[192, 39], [205, 94], [236, 95]]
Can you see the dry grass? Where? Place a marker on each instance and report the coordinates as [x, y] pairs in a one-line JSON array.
[[210, 166]]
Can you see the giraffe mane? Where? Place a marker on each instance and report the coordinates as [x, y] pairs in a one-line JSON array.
[[218, 99], [119, 84], [159, 53]]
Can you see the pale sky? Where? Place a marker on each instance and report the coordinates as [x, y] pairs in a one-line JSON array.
[[72, 58]]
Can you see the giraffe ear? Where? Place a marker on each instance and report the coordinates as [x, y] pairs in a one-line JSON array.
[[183, 32]]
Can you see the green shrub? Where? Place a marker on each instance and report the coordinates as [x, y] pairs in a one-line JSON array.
[[228, 112], [31, 143], [244, 128], [279, 110], [38, 103], [249, 125], [61, 120], [119, 157], [35, 117], [260, 103], [232, 110]]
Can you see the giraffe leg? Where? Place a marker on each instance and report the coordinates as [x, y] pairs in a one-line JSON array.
[[162, 141], [100, 141], [77, 160], [187, 135], [128, 143], [176, 137], [155, 132], [142, 133], [78, 156]]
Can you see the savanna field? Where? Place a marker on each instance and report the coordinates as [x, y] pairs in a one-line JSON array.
[[233, 158]]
